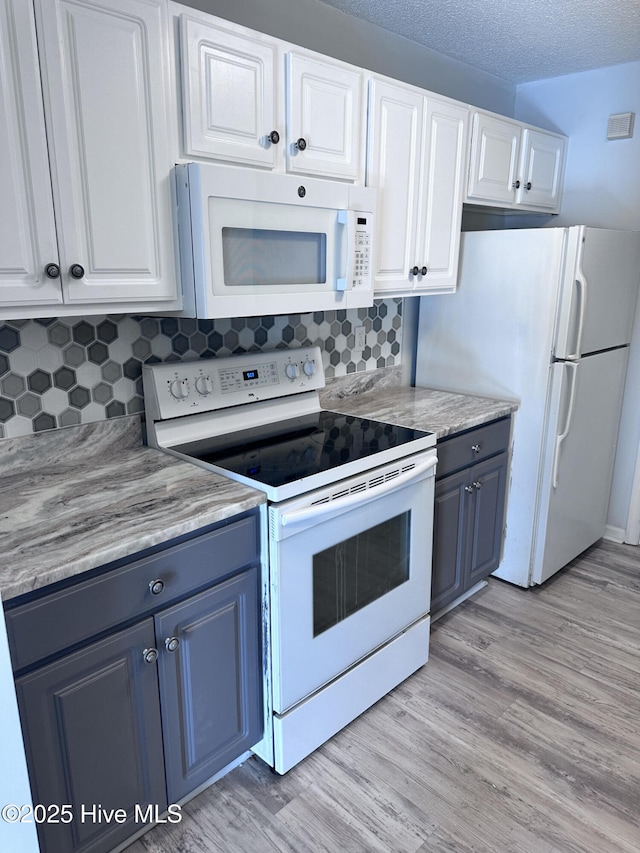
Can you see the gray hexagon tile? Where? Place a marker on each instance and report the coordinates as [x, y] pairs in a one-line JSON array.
[[65, 371]]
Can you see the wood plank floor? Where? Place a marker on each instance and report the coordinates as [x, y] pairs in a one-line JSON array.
[[521, 734]]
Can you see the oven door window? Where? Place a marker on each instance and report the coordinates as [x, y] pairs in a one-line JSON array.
[[359, 570]]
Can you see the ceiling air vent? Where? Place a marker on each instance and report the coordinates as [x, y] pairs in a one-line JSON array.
[[620, 126]]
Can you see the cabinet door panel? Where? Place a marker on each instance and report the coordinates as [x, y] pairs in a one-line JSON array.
[[211, 686], [107, 99], [541, 166], [445, 140], [494, 160], [449, 539], [393, 163], [325, 108], [489, 481], [230, 94], [92, 733], [27, 234]]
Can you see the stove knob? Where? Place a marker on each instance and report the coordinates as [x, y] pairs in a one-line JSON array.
[[179, 389], [309, 368], [292, 371], [204, 386]]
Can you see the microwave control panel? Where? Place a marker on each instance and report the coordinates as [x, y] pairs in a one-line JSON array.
[[362, 251], [207, 384]]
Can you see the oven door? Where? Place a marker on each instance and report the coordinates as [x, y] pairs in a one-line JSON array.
[[350, 570]]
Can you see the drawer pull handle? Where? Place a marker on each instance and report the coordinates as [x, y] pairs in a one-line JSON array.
[[156, 587], [172, 644], [475, 448], [150, 655]]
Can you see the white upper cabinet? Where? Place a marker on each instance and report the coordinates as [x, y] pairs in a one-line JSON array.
[[107, 102], [493, 165], [232, 94], [326, 118], [514, 165], [27, 235], [541, 169], [235, 108], [416, 159]]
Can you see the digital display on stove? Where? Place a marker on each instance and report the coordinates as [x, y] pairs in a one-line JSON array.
[[280, 453], [250, 374]]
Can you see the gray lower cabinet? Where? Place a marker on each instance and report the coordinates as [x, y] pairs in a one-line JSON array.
[[137, 716], [93, 738], [470, 496]]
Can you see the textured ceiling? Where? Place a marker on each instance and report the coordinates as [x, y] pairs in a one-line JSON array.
[[518, 40]]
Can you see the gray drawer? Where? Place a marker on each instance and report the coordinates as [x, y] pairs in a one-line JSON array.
[[473, 446], [47, 625]]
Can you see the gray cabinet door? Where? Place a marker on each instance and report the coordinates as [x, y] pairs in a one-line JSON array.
[[211, 683], [93, 738], [486, 518], [449, 526]]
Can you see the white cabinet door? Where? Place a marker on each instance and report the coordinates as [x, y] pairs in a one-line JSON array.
[[441, 194], [393, 167], [232, 101], [325, 118], [27, 230], [493, 163], [541, 169], [416, 159], [107, 99]]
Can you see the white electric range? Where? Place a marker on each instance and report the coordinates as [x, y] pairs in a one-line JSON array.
[[350, 529]]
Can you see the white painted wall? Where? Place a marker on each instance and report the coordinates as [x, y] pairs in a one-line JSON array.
[[602, 189], [602, 184]]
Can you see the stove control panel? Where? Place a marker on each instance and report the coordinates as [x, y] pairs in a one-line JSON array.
[[187, 387]]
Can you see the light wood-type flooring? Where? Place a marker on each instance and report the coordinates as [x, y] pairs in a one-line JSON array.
[[521, 734]]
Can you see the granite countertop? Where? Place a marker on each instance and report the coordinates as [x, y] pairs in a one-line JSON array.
[[74, 499], [382, 398]]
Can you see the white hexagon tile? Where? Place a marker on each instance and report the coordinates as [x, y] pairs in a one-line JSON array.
[[61, 372]]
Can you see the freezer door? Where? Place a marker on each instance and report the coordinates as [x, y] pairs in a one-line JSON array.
[[580, 445], [599, 291]]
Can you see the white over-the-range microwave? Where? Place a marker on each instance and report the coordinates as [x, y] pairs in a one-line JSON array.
[[256, 243]]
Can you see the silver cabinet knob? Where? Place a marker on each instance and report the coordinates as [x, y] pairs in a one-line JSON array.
[[150, 655], [477, 484], [156, 587], [52, 271], [468, 488], [475, 448], [172, 644]]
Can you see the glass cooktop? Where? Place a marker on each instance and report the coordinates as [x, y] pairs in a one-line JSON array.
[[280, 453]]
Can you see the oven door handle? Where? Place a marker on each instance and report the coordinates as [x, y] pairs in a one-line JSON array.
[[317, 511]]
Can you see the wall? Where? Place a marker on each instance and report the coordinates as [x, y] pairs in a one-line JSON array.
[[602, 189], [61, 372], [319, 27], [602, 184]]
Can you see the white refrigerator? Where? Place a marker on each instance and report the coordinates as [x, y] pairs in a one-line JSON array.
[[542, 317]]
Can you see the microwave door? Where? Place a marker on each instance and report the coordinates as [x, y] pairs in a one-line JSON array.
[[259, 245]]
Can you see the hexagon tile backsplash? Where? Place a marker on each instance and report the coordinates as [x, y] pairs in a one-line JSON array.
[[60, 372]]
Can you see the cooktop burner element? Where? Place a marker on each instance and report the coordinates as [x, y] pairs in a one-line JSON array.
[[276, 454], [257, 419]]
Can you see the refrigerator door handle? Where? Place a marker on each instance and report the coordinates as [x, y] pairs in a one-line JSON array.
[[573, 366], [581, 281]]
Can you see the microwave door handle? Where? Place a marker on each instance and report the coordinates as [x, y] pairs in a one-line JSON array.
[[344, 218], [318, 511]]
